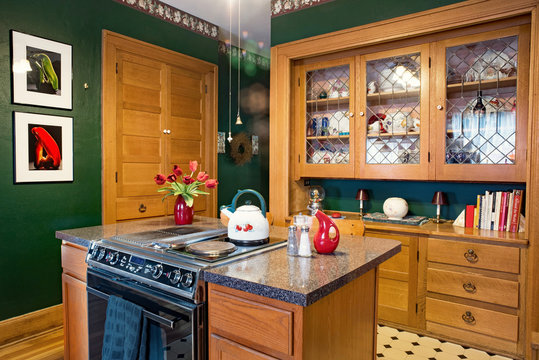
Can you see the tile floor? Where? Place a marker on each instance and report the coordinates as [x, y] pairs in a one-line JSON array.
[[396, 344]]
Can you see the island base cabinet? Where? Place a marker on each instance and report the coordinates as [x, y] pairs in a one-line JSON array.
[[75, 302], [341, 325]]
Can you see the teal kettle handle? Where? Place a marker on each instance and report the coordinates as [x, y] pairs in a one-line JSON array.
[[232, 207]]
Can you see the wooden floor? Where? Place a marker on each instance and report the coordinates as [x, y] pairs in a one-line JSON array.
[[45, 346]]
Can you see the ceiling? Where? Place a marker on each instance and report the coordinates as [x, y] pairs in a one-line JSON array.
[[254, 26]]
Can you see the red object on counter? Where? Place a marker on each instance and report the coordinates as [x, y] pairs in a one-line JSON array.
[[336, 215], [323, 242], [183, 214], [470, 211]]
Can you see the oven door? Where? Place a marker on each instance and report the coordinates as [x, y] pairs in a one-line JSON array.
[[181, 322]]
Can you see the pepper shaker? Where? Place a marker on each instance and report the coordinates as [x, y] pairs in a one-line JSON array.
[[304, 242], [292, 246]]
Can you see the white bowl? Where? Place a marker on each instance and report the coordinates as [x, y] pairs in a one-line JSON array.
[[395, 208]]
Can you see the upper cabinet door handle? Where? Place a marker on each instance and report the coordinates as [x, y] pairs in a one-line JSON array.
[[361, 113], [439, 107]]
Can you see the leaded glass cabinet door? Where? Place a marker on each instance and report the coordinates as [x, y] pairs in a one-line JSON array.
[[482, 106], [394, 125], [325, 112]]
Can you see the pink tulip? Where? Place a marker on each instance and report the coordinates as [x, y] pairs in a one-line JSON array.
[[171, 178], [188, 180], [202, 176], [211, 183], [159, 179], [193, 165], [177, 171]]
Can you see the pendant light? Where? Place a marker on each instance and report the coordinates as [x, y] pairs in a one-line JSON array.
[[238, 118], [230, 71]]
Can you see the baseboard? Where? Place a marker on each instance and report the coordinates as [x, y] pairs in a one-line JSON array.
[[30, 324]]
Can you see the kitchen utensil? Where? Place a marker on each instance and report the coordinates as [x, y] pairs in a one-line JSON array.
[[247, 222]]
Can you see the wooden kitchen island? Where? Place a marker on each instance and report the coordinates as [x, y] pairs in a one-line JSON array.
[[267, 306]]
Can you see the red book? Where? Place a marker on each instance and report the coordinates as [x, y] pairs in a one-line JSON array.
[[470, 210], [503, 211], [515, 216]]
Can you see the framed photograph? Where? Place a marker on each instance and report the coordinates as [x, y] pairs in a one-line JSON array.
[[43, 148], [41, 71]]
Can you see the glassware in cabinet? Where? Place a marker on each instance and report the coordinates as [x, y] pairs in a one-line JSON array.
[[395, 139], [325, 127], [483, 125]]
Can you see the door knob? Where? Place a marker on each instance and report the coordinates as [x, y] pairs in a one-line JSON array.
[[361, 113], [164, 131], [439, 107]]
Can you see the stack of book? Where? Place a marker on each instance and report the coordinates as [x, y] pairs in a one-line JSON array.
[[496, 210]]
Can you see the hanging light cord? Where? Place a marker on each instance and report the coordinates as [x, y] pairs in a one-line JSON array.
[[230, 71], [238, 119]]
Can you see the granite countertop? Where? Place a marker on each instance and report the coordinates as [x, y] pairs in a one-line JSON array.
[[272, 274], [303, 281], [83, 236]]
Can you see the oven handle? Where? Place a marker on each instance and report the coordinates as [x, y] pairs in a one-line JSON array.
[[170, 323]]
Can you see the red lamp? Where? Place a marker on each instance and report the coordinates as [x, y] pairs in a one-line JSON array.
[[361, 195], [438, 199]]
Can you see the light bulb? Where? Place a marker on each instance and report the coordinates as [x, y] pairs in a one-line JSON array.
[[238, 120]]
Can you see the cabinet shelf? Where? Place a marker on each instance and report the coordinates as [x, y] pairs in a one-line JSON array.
[[409, 133], [329, 101], [329, 137], [485, 85], [394, 94]]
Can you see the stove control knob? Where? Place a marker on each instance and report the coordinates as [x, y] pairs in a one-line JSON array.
[[101, 254], [187, 279], [114, 258], [157, 270], [95, 251], [175, 276]]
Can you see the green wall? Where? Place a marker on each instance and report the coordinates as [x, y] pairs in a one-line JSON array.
[[343, 14], [341, 193], [31, 213], [254, 174]]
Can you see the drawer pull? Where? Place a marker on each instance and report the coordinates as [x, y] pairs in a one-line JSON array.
[[469, 287], [471, 256], [468, 318], [142, 208]]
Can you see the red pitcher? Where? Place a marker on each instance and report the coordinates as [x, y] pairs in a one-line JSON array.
[[323, 242]]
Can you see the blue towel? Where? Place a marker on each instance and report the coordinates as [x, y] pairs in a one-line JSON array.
[[123, 329], [128, 334]]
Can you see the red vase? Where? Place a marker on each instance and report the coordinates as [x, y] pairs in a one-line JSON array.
[[183, 214], [324, 243]]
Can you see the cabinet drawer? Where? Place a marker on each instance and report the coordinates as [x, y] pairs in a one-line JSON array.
[[473, 286], [471, 318], [73, 263], [251, 323], [404, 239], [484, 256], [134, 208], [221, 348]]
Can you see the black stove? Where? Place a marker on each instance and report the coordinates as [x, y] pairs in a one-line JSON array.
[[161, 259]]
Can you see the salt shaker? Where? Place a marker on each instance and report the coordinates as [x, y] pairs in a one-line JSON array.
[[304, 242], [292, 246]]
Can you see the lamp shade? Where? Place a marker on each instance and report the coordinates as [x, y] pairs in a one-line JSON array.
[[439, 198], [362, 195]]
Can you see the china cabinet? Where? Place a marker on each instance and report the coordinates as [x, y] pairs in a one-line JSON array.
[[324, 126], [481, 106], [451, 109]]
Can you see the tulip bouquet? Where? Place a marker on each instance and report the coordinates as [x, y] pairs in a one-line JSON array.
[[185, 185]]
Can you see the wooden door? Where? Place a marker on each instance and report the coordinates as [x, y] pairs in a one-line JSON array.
[[141, 133], [159, 109], [324, 119], [393, 122], [480, 106]]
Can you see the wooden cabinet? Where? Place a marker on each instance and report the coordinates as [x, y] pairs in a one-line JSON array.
[[341, 325], [474, 292], [159, 110], [452, 109], [75, 302], [480, 106], [397, 284], [325, 113]]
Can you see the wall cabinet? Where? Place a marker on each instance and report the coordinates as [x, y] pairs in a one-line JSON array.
[[453, 109]]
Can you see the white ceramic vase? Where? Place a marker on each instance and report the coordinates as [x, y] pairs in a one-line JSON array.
[[395, 208]]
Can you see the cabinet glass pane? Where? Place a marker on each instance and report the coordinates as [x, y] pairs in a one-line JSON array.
[[393, 110], [327, 115], [481, 102]]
